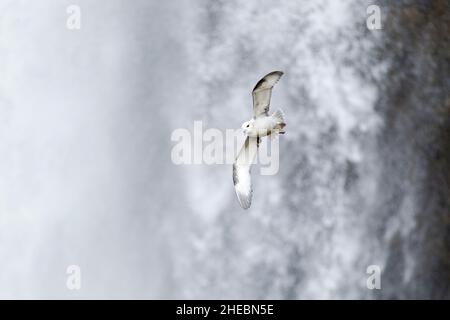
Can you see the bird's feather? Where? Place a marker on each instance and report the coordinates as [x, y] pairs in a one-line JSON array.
[[263, 92], [241, 171]]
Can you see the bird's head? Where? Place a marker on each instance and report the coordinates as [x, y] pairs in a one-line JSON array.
[[247, 126]]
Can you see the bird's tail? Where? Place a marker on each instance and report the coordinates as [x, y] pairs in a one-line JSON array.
[[279, 117]]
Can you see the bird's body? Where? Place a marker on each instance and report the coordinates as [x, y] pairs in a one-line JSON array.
[[265, 125], [261, 125]]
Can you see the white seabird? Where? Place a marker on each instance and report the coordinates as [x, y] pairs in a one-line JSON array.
[[261, 125]]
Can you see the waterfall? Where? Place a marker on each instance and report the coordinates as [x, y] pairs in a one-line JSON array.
[[86, 176], [304, 236], [353, 181]]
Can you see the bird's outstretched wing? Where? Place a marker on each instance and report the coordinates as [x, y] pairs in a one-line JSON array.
[[262, 93], [241, 171]]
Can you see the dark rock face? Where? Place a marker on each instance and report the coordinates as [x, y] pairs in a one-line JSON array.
[[415, 146]]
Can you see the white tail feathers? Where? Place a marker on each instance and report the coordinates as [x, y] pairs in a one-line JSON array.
[[279, 115]]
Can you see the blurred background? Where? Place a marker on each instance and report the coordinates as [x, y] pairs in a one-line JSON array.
[[86, 176]]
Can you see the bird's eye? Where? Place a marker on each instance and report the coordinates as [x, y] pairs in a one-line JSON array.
[[248, 125]]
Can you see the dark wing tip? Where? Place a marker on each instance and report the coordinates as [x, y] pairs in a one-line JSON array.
[[280, 73], [264, 79]]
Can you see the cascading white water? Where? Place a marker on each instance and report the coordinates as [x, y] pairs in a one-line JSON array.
[[86, 176], [304, 236]]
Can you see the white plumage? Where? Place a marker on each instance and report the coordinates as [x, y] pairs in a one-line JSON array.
[[261, 125]]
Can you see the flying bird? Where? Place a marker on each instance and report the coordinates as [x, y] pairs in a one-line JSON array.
[[262, 124]]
